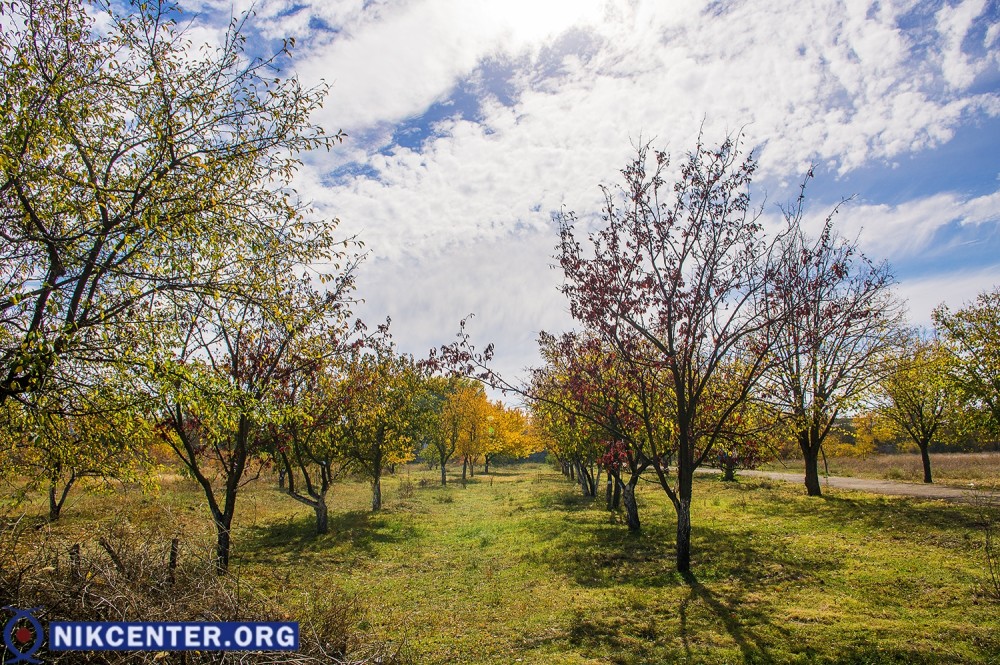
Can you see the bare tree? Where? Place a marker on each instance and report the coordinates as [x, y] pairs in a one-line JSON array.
[[840, 321]]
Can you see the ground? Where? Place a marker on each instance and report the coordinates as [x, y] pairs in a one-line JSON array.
[[519, 567]]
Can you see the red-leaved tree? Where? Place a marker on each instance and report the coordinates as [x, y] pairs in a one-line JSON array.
[[676, 279], [841, 322], [587, 397]]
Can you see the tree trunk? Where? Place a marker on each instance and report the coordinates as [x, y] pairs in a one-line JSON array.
[[925, 457], [486, 468], [812, 476], [377, 491], [322, 516], [682, 506], [54, 505], [222, 545], [631, 509], [810, 455], [684, 534], [465, 468], [572, 473], [608, 491], [444, 477], [281, 477], [616, 499]]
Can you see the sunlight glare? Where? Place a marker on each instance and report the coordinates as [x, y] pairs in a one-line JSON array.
[[532, 21]]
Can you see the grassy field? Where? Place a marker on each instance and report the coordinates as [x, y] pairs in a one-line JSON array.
[[519, 568], [955, 469]]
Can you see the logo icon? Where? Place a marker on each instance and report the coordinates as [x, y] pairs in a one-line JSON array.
[[23, 636]]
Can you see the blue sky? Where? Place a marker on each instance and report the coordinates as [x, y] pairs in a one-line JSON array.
[[471, 123]]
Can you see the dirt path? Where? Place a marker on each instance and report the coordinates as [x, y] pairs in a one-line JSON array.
[[891, 487]]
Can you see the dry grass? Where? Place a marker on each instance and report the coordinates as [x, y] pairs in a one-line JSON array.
[[123, 572], [958, 469]]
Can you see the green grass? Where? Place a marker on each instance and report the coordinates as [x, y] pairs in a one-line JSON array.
[[517, 567]]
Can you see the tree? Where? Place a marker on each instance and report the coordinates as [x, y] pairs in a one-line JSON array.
[[867, 429], [505, 434], [379, 406], [917, 398], [133, 165], [472, 410], [304, 438], [971, 336], [751, 438], [55, 441], [596, 411], [220, 382], [448, 420], [675, 281], [840, 321]]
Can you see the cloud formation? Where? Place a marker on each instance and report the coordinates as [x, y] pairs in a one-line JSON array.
[[472, 123]]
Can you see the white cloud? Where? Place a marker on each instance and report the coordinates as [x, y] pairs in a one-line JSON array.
[[506, 283], [453, 222], [906, 230], [955, 289], [953, 23], [391, 63], [559, 141]]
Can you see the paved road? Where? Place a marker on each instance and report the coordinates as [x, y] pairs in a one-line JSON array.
[[868, 485]]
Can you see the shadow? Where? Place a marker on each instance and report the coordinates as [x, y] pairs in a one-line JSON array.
[[737, 572], [575, 501], [752, 647], [501, 472], [296, 538], [898, 517], [593, 547]]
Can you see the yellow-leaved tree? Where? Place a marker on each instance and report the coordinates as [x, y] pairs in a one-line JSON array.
[[507, 434], [452, 418], [971, 336], [379, 409], [470, 409], [919, 400], [55, 441]]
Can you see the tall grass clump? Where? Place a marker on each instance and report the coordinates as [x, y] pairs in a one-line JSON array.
[[122, 573]]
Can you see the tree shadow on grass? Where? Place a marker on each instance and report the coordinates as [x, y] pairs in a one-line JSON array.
[[677, 626], [597, 552], [753, 648], [941, 521], [659, 615], [566, 501], [735, 572], [295, 538]]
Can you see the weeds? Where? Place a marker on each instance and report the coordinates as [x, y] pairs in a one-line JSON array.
[[987, 505], [406, 488], [127, 574]]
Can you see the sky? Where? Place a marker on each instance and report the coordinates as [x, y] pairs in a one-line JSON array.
[[472, 123]]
